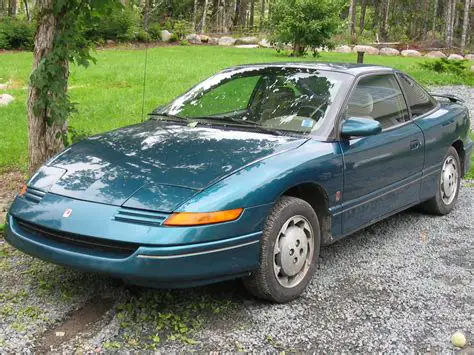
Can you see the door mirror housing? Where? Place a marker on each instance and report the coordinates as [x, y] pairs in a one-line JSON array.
[[360, 127]]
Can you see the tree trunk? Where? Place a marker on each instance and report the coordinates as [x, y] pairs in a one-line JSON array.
[[195, 15], [44, 140], [12, 8], [435, 13], [262, 16], [351, 19], [204, 15], [384, 27], [449, 24], [252, 14], [465, 23], [363, 10]]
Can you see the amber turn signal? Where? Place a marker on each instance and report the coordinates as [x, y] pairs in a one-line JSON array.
[[22, 190], [187, 219]]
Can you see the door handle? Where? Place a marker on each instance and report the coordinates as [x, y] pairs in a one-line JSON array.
[[415, 144]]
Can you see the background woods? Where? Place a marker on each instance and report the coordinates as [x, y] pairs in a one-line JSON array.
[[432, 23]]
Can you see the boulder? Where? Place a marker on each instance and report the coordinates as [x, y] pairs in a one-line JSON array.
[[410, 53], [455, 57], [247, 46], [389, 51], [264, 43], [366, 49], [226, 41], [247, 40], [3, 86], [165, 35], [213, 40], [435, 54], [193, 39], [6, 99], [469, 57], [110, 42], [204, 38], [343, 49]]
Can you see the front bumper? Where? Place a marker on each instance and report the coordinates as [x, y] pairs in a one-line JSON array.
[[159, 266]]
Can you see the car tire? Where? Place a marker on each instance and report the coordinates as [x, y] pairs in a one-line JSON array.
[[277, 278], [449, 181]]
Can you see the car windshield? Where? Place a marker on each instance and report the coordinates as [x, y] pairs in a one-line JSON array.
[[280, 99]]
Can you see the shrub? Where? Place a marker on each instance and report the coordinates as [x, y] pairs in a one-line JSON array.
[[154, 31], [120, 25], [184, 42], [16, 34], [174, 37], [443, 65], [142, 36], [305, 23], [182, 28]]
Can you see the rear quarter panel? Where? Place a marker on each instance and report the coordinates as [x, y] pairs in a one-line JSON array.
[[441, 129]]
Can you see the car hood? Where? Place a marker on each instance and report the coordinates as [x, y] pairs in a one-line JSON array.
[[157, 165]]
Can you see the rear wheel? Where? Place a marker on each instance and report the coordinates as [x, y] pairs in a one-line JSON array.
[[448, 185], [289, 252]]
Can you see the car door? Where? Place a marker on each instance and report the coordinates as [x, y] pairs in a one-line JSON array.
[[382, 172]]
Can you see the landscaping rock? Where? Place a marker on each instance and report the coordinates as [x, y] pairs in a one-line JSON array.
[[472, 68], [213, 40], [389, 51], [247, 40], [366, 49], [226, 41], [247, 46], [469, 57], [455, 57], [165, 35], [194, 38], [3, 86], [265, 43], [435, 54], [6, 99], [411, 53], [204, 38], [110, 42], [343, 49]]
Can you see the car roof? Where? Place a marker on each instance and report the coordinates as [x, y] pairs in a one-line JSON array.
[[349, 68]]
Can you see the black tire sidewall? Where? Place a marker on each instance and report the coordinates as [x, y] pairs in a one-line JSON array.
[[272, 230]]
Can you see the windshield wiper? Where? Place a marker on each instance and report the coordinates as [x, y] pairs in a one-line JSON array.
[[228, 120], [168, 117]]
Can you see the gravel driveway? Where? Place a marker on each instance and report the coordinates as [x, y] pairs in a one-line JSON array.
[[405, 284]]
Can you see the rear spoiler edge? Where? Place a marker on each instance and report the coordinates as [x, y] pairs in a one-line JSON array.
[[452, 98]]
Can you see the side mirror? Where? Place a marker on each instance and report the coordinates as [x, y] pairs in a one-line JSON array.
[[360, 127]]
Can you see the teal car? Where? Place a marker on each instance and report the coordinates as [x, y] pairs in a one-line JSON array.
[[246, 176]]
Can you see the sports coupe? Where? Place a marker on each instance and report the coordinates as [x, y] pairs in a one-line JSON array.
[[246, 176]]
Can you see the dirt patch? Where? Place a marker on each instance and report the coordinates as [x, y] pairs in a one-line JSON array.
[[76, 323], [10, 183]]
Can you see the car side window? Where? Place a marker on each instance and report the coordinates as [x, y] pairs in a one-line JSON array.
[[378, 97], [419, 100]]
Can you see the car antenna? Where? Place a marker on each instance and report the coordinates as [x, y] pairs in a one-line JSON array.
[[144, 81]]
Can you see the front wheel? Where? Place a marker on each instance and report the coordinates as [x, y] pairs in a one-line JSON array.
[[289, 252], [448, 185]]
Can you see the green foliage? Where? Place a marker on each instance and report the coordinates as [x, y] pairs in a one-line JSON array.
[[49, 79], [142, 36], [120, 24], [305, 23], [184, 42], [154, 31], [443, 65], [182, 28], [16, 34], [174, 38], [2, 227]]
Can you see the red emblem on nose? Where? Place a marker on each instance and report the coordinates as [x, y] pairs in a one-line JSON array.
[[67, 213]]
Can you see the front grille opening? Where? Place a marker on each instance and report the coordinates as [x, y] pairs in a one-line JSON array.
[[80, 243]]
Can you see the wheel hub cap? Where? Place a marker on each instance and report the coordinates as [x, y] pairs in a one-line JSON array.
[[449, 180], [293, 251]]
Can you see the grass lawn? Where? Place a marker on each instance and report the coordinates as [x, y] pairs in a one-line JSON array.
[[109, 94]]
